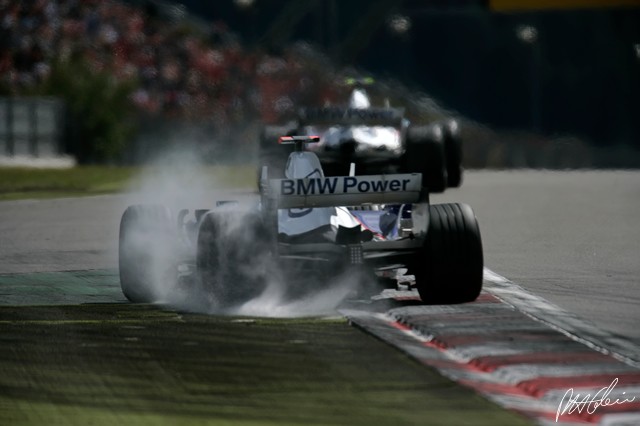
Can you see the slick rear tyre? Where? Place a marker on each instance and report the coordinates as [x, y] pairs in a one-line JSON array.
[[453, 154], [232, 257], [147, 268], [449, 270], [425, 154]]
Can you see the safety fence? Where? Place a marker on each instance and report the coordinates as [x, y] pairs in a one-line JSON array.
[[38, 128], [31, 126]]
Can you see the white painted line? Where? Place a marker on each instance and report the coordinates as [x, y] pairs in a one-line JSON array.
[[29, 161], [561, 320], [514, 374]]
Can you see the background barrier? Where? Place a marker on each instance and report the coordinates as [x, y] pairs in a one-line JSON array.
[[31, 126]]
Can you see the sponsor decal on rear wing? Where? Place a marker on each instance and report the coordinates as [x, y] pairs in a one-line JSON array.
[[351, 116], [346, 190]]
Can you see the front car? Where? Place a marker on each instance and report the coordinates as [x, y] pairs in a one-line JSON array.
[[372, 138]]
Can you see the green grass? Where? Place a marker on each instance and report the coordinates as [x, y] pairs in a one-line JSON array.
[[21, 183], [137, 364]]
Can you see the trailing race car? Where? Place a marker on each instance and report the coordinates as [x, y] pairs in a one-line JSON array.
[[306, 225], [377, 140]]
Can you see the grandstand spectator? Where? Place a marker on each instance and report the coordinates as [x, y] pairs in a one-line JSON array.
[[179, 73]]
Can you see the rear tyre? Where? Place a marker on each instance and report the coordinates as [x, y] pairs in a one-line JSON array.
[[425, 154], [449, 269], [147, 266], [453, 154], [232, 257]]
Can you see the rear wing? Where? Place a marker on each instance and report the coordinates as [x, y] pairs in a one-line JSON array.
[[335, 116], [345, 191], [283, 140]]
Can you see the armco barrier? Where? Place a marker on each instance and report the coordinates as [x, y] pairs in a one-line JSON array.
[[31, 127]]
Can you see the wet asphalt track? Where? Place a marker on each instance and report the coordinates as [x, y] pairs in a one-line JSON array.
[[570, 237]]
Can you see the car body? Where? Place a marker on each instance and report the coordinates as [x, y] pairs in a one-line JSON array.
[[376, 139], [306, 227]]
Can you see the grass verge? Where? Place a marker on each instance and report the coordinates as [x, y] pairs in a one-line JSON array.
[[137, 364], [21, 183]]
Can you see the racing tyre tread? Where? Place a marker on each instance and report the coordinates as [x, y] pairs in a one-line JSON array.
[[230, 259], [450, 268], [453, 157], [143, 229], [425, 153]]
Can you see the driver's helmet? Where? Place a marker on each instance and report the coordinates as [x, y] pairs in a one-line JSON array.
[[359, 99]]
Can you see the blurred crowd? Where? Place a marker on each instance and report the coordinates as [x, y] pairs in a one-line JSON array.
[[179, 71]]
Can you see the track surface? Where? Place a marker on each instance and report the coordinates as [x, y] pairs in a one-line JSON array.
[[570, 237]]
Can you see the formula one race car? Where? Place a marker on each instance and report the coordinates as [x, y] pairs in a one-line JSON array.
[[306, 225], [377, 140]]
